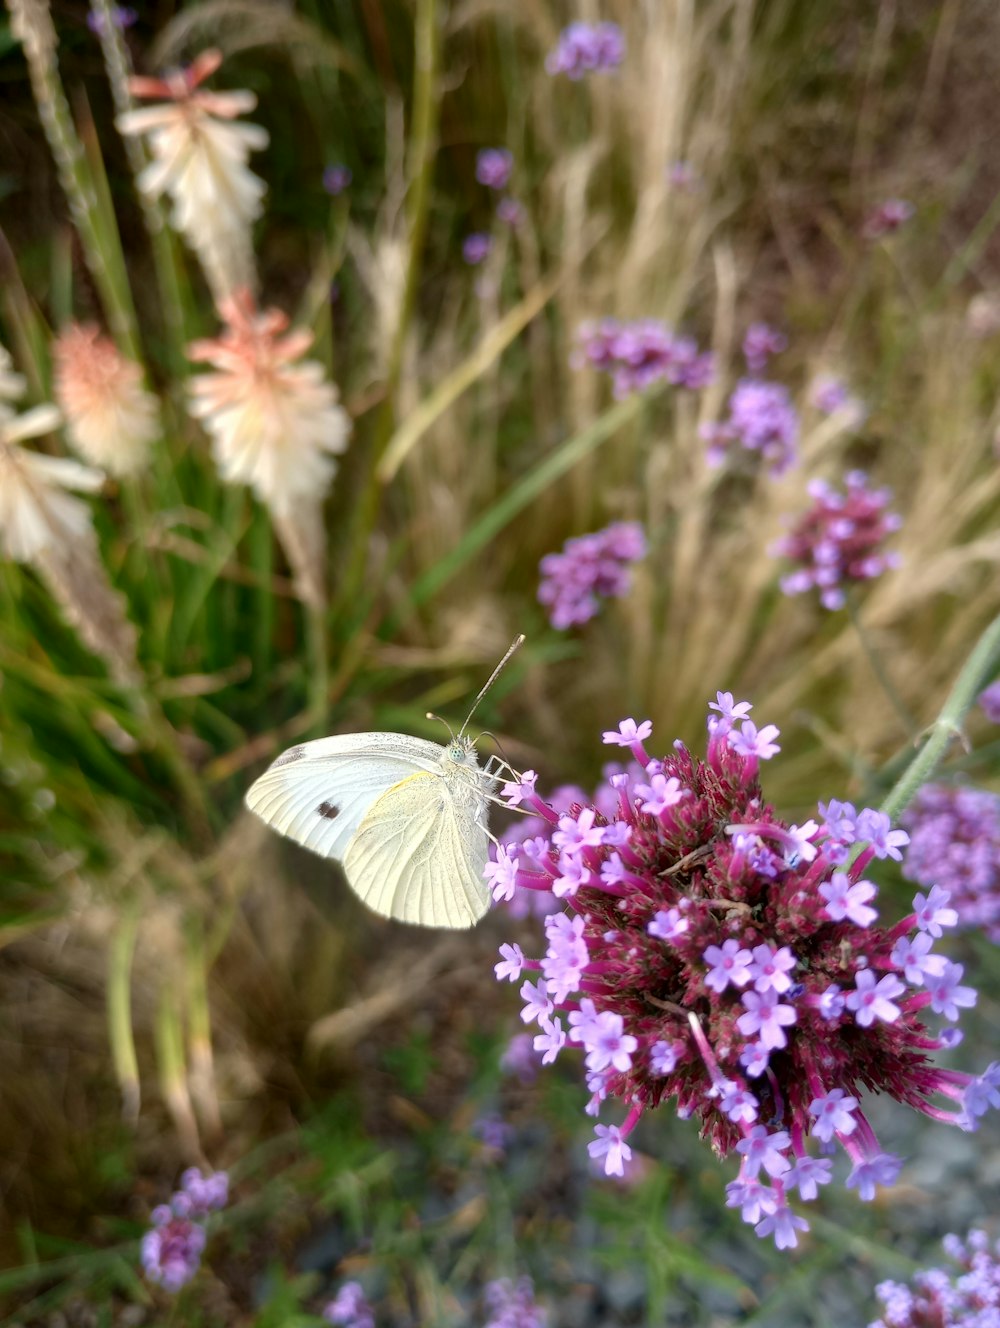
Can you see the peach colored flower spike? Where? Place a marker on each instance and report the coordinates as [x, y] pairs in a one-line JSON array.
[[200, 159], [110, 417], [275, 424]]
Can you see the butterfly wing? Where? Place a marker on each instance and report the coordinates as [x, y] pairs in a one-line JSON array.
[[418, 854], [318, 792]]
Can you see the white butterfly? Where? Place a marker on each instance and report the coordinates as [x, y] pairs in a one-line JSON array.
[[406, 817]]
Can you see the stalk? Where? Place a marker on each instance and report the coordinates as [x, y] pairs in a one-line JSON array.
[[423, 147], [173, 1072], [31, 23], [976, 672], [118, 64], [119, 998]]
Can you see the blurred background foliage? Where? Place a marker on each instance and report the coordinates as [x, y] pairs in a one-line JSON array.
[[176, 983]]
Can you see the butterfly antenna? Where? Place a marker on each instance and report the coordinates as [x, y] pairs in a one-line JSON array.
[[431, 715], [516, 644]]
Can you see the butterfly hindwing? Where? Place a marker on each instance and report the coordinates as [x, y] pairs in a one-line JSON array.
[[418, 855], [318, 792]]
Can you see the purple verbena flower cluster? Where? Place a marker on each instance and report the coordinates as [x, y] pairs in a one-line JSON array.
[[760, 343], [122, 16], [887, 218], [336, 178], [968, 1297], [172, 1248], [831, 396], [989, 702], [838, 540], [512, 1304], [589, 568], [761, 419], [640, 353], [476, 247], [349, 1308], [955, 843], [587, 48], [493, 167], [710, 952]]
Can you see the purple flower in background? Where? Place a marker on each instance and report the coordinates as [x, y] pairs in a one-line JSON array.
[[701, 959], [955, 844], [512, 1304], [122, 16], [965, 1297], [683, 176], [761, 419], [519, 1058], [838, 540], [493, 167], [510, 212], [171, 1249], [336, 178], [640, 353], [476, 247], [349, 1308], [204, 1194], [585, 48], [887, 218], [589, 568], [830, 396], [989, 702], [760, 343]]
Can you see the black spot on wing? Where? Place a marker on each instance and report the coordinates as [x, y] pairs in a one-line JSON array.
[[286, 758], [328, 810]]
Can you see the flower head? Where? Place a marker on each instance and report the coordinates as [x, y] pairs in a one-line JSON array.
[[122, 16], [760, 343], [838, 542], [493, 167], [110, 417], [350, 1308], [512, 1304], [589, 568], [476, 247], [336, 178], [586, 48], [716, 955], [963, 1297], [955, 846], [172, 1248], [762, 420], [887, 218], [36, 511], [200, 153], [275, 423], [831, 396], [643, 352], [989, 702]]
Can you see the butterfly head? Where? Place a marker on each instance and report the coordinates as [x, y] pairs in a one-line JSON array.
[[462, 751]]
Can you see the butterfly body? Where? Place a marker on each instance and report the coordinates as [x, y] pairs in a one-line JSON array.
[[405, 816]]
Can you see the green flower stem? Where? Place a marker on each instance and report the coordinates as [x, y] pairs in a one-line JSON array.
[[979, 668]]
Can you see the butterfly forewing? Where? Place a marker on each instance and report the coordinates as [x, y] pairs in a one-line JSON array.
[[419, 852], [318, 792]]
